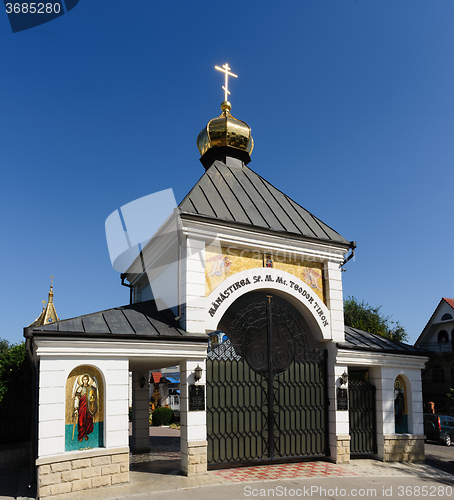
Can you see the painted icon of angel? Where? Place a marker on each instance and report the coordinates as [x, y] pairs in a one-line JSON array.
[[85, 397], [220, 264]]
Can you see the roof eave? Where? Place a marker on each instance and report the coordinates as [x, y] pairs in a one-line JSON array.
[[383, 351], [212, 220], [118, 336]]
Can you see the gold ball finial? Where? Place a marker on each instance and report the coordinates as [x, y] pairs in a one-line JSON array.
[[226, 106]]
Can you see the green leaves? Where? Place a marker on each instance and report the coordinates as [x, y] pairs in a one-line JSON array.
[[15, 377], [450, 394], [365, 317]]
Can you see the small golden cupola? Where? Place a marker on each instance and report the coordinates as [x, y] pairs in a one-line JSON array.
[[224, 132], [48, 314]]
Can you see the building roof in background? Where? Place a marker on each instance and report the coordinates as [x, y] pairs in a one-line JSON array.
[[172, 380], [431, 326], [449, 301]]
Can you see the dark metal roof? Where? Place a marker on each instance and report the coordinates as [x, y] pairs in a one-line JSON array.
[[364, 341], [141, 320], [239, 195]]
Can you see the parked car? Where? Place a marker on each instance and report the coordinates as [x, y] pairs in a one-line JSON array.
[[439, 428]]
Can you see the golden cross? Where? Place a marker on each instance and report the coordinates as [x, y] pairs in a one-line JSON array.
[[52, 279], [269, 298], [227, 74], [43, 301]]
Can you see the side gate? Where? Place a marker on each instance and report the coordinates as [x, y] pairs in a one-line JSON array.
[[266, 390], [362, 417]]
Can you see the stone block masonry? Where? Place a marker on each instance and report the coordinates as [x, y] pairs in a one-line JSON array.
[[404, 448], [78, 471], [343, 449], [194, 460]]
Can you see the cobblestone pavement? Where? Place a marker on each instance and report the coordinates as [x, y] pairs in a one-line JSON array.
[[159, 471]]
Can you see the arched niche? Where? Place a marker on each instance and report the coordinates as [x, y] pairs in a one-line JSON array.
[[84, 409], [401, 406]]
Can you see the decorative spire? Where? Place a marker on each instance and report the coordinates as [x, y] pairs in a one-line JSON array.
[[48, 314]]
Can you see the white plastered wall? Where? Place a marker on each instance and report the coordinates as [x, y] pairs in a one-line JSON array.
[[193, 285], [338, 422], [383, 378], [383, 371], [334, 299], [53, 374], [193, 423]]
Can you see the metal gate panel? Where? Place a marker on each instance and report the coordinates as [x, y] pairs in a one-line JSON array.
[[300, 410], [362, 417], [266, 390], [236, 409]]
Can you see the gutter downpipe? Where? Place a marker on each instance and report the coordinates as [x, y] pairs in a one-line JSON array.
[[352, 248], [179, 239], [34, 425], [123, 277]]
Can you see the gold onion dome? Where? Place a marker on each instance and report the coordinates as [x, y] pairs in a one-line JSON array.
[[225, 130]]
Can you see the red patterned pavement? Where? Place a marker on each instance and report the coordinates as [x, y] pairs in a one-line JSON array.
[[283, 471]]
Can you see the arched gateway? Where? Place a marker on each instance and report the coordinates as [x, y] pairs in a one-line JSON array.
[[266, 387], [244, 272]]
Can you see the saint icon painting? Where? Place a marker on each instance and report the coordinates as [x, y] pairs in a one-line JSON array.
[[84, 409], [85, 406]]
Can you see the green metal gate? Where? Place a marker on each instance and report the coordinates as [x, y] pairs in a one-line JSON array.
[[266, 390], [362, 418]]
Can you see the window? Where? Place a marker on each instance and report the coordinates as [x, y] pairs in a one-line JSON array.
[[443, 337], [438, 373], [445, 317]]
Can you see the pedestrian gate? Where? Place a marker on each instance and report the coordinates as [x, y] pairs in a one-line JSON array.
[[362, 417], [266, 390]]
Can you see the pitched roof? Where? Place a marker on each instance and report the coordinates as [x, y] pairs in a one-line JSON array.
[[238, 195], [364, 341], [429, 327], [140, 320], [156, 377], [449, 301]]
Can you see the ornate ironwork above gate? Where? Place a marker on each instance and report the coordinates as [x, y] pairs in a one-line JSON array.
[[266, 389]]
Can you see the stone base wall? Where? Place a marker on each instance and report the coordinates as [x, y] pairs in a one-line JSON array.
[[194, 457], [403, 448], [63, 474], [343, 449]]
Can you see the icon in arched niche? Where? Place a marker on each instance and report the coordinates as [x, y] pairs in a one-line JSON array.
[[400, 406], [84, 412]]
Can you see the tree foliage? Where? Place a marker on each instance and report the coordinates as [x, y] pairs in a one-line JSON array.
[[15, 378], [365, 317], [450, 394]]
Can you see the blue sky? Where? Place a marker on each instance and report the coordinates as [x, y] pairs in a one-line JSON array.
[[351, 108]]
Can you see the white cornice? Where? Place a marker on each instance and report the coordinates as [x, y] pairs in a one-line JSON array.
[[362, 358], [249, 238], [58, 346]]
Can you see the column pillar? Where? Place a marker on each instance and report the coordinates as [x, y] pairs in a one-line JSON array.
[[140, 406], [193, 434], [339, 426]]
